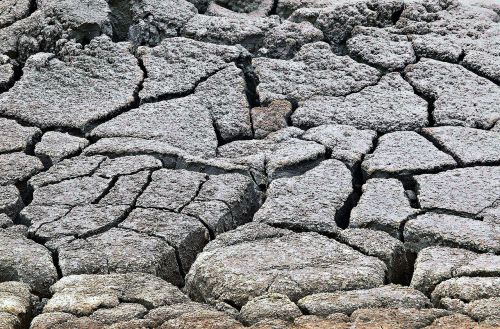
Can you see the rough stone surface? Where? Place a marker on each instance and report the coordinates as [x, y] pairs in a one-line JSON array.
[[387, 105], [178, 65], [49, 92], [17, 167], [181, 123], [294, 265], [403, 153], [390, 296], [381, 48], [461, 98], [381, 245], [467, 190], [24, 260], [270, 306], [56, 146], [345, 143], [382, 206], [245, 30], [274, 117], [314, 70], [470, 146], [453, 231], [312, 201], [17, 304], [16, 137], [290, 164], [436, 264]]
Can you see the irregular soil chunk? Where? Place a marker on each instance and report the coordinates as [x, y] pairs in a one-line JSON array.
[[181, 123], [56, 146], [390, 296], [382, 206], [467, 190], [471, 146], [312, 201], [17, 304], [295, 265], [453, 231], [403, 153], [16, 137], [49, 92], [345, 143], [17, 167], [24, 260], [385, 106], [461, 98], [314, 70]]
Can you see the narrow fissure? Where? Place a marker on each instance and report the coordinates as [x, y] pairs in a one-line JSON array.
[[441, 147]]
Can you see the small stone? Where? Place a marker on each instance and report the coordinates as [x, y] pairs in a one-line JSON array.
[[16, 137], [272, 118], [404, 153], [269, 306], [56, 146], [10, 200]]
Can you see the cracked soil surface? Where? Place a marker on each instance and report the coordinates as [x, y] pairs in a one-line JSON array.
[[273, 164]]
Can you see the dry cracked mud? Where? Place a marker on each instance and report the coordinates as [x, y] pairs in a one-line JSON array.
[[273, 164]]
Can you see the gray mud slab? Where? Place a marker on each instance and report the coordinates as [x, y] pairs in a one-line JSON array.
[[50, 91], [295, 265]]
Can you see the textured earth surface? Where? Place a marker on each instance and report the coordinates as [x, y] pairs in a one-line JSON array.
[[273, 164]]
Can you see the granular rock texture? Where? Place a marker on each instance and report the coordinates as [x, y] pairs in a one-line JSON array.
[[272, 164]]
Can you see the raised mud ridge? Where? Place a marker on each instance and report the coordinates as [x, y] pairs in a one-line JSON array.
[[273, 164]]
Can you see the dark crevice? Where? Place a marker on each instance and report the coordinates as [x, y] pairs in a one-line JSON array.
[[170, 96], [298, 228], [17, 74], [397, 15], [198, 190], [133, 105], [274, 8], [411, 190], [121, 18], [343, 214], [403, 223], [430, 102], [105, 192]]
